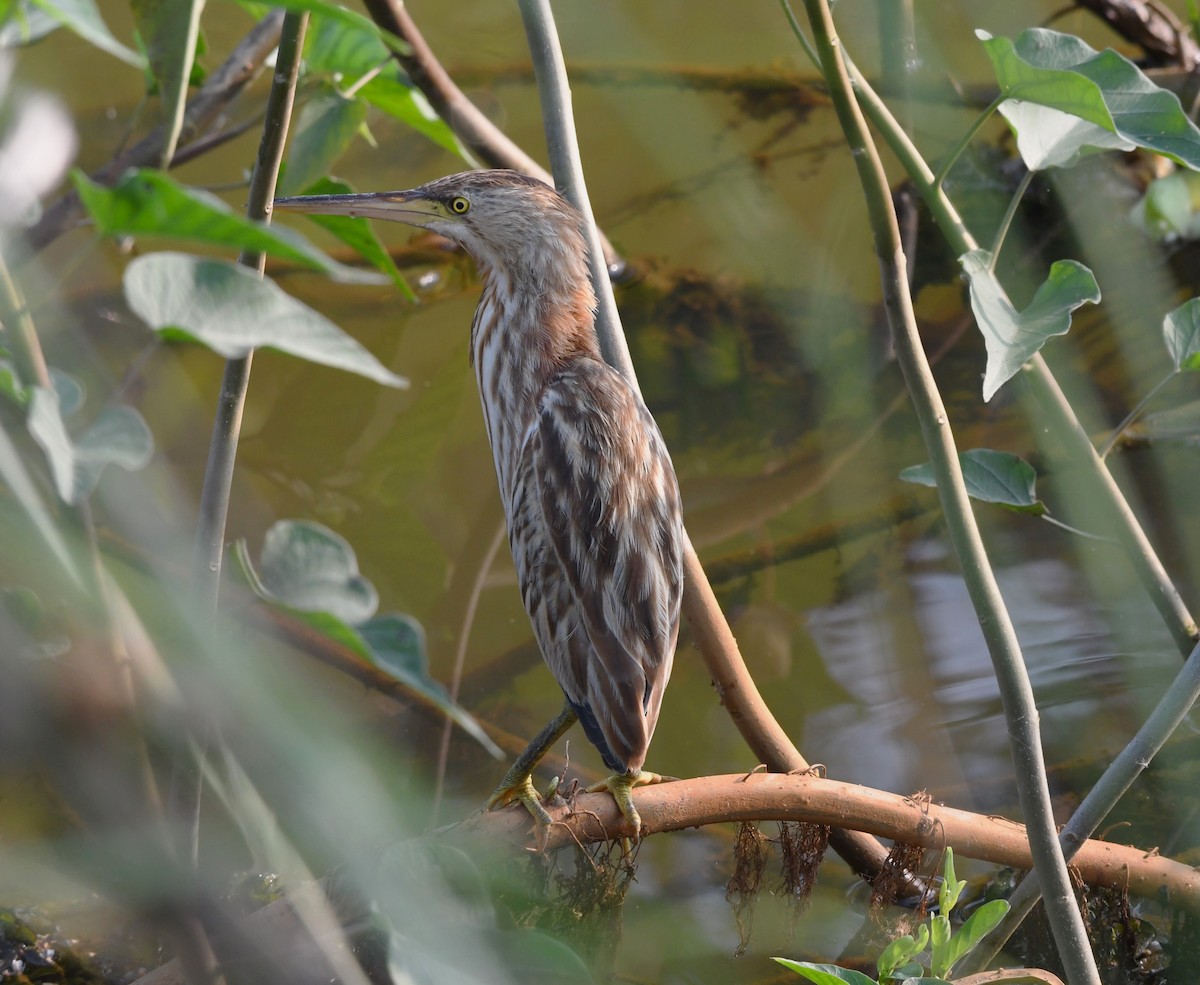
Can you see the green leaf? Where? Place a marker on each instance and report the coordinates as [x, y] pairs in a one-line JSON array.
[[1170, 209], [83, 17], [388, 92], [901, 951], [825, 974], [343, 15], [324, 128], [148, 202], [170, 30], [25, 24], [307, 566], [952, 887], [1012, 337], [118, 436], [338, 47], [967, 938], [990, 476], [1050, 138], [1104, 88], [1181, 332], [397, 645], [357, 233], [233, 311]]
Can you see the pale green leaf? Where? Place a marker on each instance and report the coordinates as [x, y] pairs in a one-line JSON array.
[[233, 311], [170, 30], [324, 128], [307, 566], [825, 974], [1012, 337]]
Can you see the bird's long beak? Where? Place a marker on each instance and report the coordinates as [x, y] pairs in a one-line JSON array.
[[404, 206]]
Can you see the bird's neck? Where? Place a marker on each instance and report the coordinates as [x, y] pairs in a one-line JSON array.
[[524, 334]]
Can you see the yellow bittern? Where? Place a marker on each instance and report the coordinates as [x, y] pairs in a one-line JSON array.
[[588, 488]]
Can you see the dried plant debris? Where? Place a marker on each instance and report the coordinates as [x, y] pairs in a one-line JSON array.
[[895, 875], [749, 863], [576, 897], [801, 848]]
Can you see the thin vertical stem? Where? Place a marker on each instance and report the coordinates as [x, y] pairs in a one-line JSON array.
[[1020, 710], [222, 449], [1009, 214]]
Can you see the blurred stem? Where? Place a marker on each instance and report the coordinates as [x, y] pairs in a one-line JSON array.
[[1020, 710], [736, 688], [1134, 414], [1102, 798], [20, 332], [1006, 222], [222, 450], [957, 151], [1057, 415]]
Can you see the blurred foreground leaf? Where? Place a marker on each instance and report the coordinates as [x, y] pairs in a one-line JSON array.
[[1012, 337], [1170, 209], [146, 202], [118, 436], [991, 476], [232, 310], [311, 572], [307, 566]]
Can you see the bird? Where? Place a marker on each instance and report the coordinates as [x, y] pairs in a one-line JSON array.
[[590, 495]]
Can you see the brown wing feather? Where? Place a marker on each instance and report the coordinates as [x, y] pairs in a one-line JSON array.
[[596, 532]]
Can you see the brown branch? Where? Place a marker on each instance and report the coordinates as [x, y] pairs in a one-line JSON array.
[[801, 797], [222, 87], [769, 797], [1150, 24]]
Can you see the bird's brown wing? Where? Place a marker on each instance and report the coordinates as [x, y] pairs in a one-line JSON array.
[[596, 465]]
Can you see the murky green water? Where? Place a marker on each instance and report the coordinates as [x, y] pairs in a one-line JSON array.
[[759, 340]]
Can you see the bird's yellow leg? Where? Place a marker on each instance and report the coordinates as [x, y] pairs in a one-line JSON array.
[[518, 781], [621, 785]]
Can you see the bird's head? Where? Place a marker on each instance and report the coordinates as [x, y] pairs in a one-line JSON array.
[[509, 222]]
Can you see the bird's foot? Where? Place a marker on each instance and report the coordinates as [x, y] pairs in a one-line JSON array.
[[621, 785], [521, 789]]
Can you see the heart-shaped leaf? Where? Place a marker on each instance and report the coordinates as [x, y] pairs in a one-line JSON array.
[[146, 202], [233, 311], [990, 476], [1012, 336], [307, 566], [1104, 88]]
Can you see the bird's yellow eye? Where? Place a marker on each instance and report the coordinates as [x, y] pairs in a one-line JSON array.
[[459, 205]]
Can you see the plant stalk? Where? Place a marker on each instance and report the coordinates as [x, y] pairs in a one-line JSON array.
[[1020, 710], [222, 449], [1058, 415], [1178, 700]]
